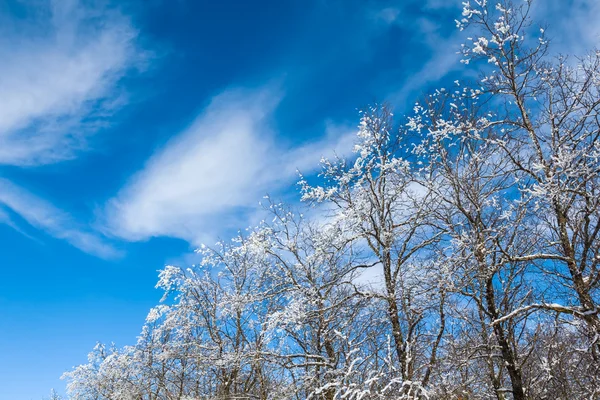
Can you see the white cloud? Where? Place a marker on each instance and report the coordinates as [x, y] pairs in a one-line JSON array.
[[443, 60], [576, 31], [388, 15], [212, 176], [7, 220], [56, 72], [58, 82], [441, 5], [44, 216]]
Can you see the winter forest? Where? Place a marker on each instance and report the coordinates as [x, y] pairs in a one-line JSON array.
[[454, 255]]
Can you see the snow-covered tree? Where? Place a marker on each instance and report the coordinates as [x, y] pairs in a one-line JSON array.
[[454, 255]]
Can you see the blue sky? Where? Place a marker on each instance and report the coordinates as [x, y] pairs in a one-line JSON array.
[[130, 133]]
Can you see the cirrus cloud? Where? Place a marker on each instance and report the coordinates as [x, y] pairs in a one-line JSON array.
[[59, 83], [58, 79], [213, 174]]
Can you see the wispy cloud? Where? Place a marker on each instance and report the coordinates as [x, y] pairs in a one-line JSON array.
[[440, 55], [441, 63], [59, 77], [212, 175], [576, 31], [387, 15], [6, 219], [44, 216]]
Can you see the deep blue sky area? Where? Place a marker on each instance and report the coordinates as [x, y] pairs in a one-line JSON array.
[[133, 131]]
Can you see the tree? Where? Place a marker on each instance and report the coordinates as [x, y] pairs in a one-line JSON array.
[[481, 213], [381, 202], [548, 130]]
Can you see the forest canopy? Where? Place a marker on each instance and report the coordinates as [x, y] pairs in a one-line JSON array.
[[455, 254]]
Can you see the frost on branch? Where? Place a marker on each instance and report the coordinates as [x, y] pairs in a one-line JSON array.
[[454, 255]]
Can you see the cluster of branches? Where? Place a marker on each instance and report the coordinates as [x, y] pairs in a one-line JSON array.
[[455, 255]]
